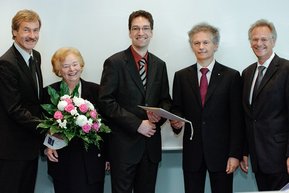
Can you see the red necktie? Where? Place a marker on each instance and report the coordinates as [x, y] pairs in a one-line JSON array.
[[203, 84]]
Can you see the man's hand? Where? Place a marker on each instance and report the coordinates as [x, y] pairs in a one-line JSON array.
[[147, 128], [232, 165], [154, 118], [177, 124], [245, 166]]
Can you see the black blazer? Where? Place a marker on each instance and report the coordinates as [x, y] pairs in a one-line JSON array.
[[74, 160], [121, 92], [217, 127], [267, 119], [19, 107]]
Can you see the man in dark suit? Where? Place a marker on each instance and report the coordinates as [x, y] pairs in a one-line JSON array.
[[21, 90], [266, 106], [135, 138], [212, 102]]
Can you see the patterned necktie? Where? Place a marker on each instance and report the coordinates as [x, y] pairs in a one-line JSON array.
[[259, 79], [142, 71], [32, 68], [203, 84]]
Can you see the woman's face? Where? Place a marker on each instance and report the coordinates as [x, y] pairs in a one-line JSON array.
[[70, 69]]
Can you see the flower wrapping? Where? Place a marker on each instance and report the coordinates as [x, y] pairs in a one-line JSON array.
[[70, 116]]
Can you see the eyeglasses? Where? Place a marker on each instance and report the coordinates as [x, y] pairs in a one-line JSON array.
[[137, 28]]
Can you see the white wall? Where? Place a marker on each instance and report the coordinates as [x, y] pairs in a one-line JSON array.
[[98, 28]]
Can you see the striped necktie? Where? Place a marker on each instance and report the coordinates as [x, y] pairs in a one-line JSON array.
[[142, 71]]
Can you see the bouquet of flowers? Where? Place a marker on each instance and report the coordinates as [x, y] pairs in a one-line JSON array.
[[72, 116]]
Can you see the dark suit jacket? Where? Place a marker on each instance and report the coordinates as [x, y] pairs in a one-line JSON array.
[[121, 92], [267, 119], [217, 126], [74, 161], [19, 107]]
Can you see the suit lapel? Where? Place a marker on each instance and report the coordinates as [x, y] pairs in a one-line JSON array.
[[133, 71], [272, 68], [215, 79], [151, 73], [25, 69], [194, 82], [248, 80]]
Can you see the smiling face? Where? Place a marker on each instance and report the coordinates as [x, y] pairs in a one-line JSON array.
[[27, 35], [140, 33], [71, 69], [262, 43], [203, 46]]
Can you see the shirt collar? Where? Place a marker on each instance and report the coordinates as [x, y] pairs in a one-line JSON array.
[[267, 62], [210, 66], [136, 56], [24, 54]]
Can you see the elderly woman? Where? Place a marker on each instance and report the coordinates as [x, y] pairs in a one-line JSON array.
[[73, 168]]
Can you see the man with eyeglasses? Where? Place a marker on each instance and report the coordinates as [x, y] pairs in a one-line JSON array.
[[266, 106], [130, 78]]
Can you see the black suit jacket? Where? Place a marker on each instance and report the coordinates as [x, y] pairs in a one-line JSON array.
[[19, 107], [267, 119], [217, 127], [74, 161], [121, 92]]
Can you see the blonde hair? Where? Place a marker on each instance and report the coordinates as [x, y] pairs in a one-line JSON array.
[[60, 55]]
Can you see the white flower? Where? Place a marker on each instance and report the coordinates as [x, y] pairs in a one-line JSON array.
[[74, 112], [78, 101], [81, 120], [61, 105], [64, 97], [61, 124], [90, 105]]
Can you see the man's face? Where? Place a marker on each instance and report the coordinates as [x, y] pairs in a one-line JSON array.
[[262, 43], [140, 33], [203, 46], [27, 35]]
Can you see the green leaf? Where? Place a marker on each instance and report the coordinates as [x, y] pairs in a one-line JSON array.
[[54, 96], [50, 108], [64, 90]]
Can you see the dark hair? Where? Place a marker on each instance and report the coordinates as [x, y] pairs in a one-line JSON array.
[[141, 13]]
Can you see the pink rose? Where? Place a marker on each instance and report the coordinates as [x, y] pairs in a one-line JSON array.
[[69, 108], [58, 115], [68, 100], [95, 126], [86, 128], [83, 108], [93, 114]]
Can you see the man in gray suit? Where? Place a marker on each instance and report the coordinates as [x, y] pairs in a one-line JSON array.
[[266, 106], [130, 78], [21, 91]]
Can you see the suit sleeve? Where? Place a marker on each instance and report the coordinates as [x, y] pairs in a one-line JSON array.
[[237, 121], [108, 99]]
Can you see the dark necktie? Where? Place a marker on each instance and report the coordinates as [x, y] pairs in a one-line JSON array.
[[142, 72], [32, 68], [203, 84], [259, 79]]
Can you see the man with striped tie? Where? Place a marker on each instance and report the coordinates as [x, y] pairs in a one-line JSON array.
[[130, 78]]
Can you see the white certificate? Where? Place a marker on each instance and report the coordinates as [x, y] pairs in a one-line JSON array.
[[168, 115]]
